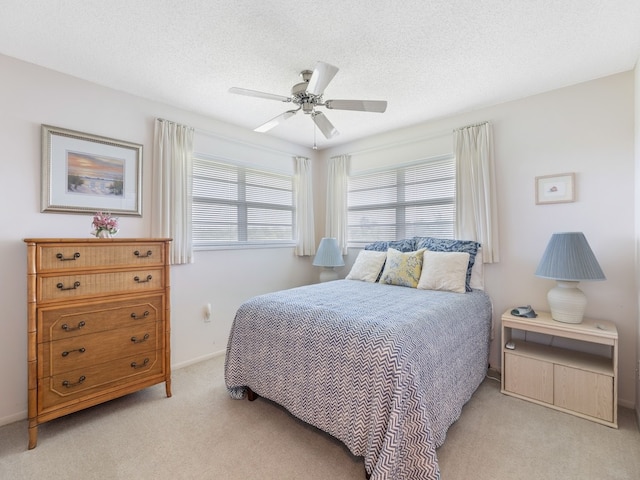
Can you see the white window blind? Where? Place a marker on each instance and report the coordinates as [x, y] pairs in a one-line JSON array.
[[238, 205], [402, 202]]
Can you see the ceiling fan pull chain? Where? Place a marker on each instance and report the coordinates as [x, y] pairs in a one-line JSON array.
[[315, 146]]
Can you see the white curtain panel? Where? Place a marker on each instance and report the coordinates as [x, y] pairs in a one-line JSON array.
[[305, 232], [476, 206], [337, 183], [172, 189]]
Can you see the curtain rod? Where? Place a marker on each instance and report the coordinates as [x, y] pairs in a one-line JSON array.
[[174, 123], [472, 125]]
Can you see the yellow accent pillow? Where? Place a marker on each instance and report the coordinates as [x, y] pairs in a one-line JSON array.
[[402, 268]]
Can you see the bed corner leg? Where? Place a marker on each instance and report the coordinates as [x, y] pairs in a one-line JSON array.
[[251, 395]]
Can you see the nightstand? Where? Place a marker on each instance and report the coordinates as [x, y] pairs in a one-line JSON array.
[[575, 382]]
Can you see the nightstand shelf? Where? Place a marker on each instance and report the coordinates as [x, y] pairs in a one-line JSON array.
[[575, 382]]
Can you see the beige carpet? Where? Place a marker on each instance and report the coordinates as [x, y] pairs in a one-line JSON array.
[[200, 433]]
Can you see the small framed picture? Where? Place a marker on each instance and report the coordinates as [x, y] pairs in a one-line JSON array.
[[88, 173], [555, 188]]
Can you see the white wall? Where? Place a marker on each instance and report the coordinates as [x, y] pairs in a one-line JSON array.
[[31, 96], [586, 129]]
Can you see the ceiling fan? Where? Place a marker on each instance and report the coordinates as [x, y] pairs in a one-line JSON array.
[[307, 95]]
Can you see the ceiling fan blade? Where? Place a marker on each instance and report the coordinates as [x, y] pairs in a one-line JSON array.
[[325, 126], [255, 93], [275, 121], [360, 105], [323, 73]]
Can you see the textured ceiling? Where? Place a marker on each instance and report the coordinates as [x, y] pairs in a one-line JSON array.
[[428, 59]]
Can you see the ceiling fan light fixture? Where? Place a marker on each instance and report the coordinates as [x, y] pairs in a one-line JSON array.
[[306, 75]]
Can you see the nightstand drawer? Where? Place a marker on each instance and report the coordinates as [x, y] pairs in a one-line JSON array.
[[528, 377], [585, 392]]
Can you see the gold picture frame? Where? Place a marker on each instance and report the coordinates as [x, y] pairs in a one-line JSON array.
[[555, 188], [85, 173]]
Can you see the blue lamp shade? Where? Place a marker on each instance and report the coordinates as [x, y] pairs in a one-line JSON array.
[[328, 254], [568, 259]]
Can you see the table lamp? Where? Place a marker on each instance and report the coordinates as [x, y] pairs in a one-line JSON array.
[[328, 257], [568, 259]]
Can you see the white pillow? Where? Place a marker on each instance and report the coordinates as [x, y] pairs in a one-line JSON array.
[[444, 271], [367, 266]]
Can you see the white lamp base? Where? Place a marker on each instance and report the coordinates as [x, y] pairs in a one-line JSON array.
[[328, 274], [567, 302]]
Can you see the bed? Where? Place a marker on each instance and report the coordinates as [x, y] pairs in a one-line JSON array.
[[383, 368]]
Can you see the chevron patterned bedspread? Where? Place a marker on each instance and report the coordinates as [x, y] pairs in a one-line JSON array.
[[385, 369]]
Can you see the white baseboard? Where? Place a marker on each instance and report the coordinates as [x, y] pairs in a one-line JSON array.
[[16, 417], [209, 356], [626, 404]]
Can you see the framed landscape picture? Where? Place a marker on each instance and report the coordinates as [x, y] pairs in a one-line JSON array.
[[88, 173]]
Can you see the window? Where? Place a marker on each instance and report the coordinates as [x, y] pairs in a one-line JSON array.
[[403, 202], [239, 205]]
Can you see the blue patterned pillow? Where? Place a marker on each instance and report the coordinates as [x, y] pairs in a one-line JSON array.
[[448, 245], [405, 245]]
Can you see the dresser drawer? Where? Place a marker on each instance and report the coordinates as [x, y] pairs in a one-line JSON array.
[[68, 387], [87, 350], [54, 257], [62, 322], [81, 285]]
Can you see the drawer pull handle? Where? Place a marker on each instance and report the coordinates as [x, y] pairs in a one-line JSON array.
[[140, 340], [61, 286], [67, 352], [67, 328], [137, 279], [62, 258], [144, 315], [137, 254], [143, 364], [68, 384]]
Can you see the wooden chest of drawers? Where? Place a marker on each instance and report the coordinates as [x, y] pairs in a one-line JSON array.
[[98, 322]]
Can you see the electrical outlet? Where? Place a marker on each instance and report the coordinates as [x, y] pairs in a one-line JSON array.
[[207, 312]]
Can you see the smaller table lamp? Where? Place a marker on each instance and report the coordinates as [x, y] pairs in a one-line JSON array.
[[568, 259], [328, 257]]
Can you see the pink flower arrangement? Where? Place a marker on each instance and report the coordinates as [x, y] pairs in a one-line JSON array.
[[104, 222]]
